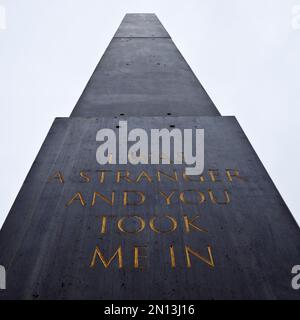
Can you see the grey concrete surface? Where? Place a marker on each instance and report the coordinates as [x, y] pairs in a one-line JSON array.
[[47, 247], [144, 25], [243, 237], [143, 73]]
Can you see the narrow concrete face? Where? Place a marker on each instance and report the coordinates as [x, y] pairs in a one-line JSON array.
[[225, 235], [143, 73]]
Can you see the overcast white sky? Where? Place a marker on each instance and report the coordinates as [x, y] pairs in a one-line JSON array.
[[244, 52]]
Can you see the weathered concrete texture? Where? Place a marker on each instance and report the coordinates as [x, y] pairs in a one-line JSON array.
[[144, 25], [143, 76], [47, 247]]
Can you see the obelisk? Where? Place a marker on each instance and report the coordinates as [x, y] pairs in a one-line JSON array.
[[80, 230]]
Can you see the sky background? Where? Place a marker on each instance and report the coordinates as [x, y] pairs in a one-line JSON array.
[[244, 52]]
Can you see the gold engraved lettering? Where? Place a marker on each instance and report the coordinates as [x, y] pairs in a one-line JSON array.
[[102, 175], [127, 203], [121, 175], [137, 256], [104, 198], [57, 175], [213, 173], [98, 253], [214, 199], [172, 178], [189, 223], [77, 196], [85, 177], [189, 251], [154, 228], [144, 174], [139, 219], [233, 173], [172, 257], [167, 197], [201, 197], [103, 225], [189, 178]]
